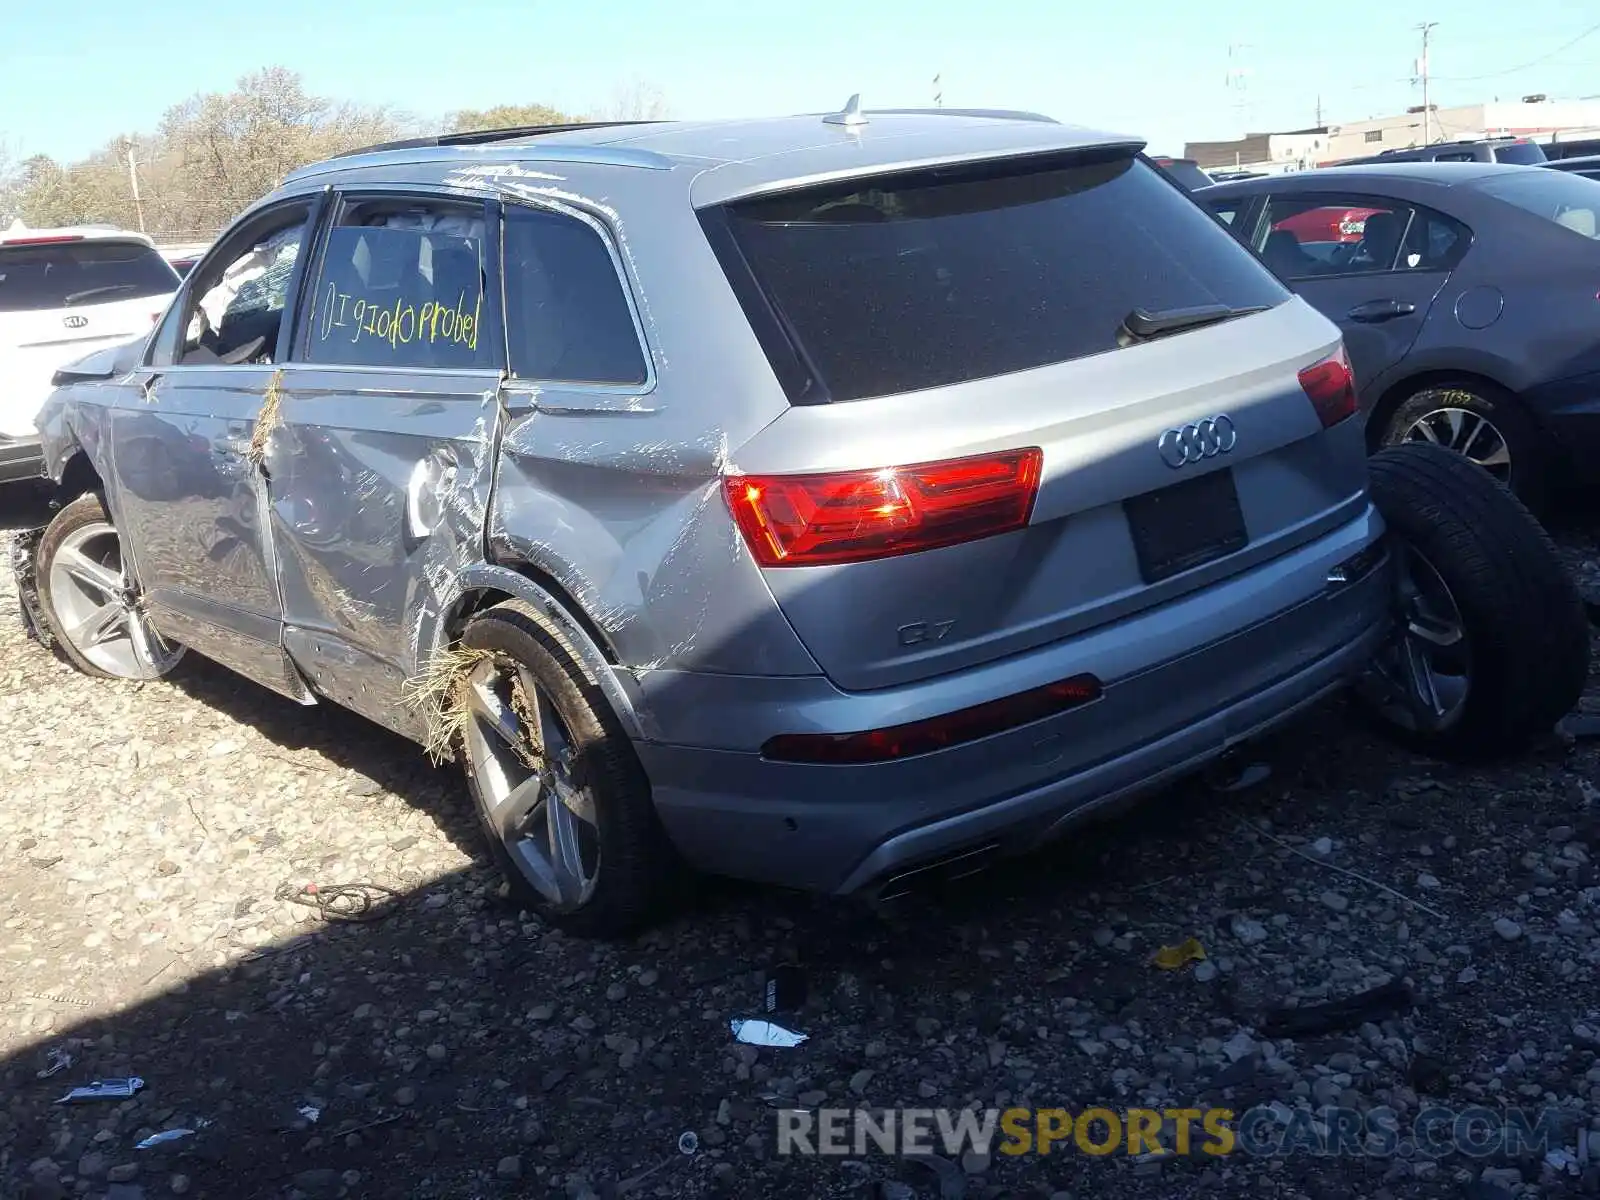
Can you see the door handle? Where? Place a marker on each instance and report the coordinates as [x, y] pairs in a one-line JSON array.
[[1374, 311]]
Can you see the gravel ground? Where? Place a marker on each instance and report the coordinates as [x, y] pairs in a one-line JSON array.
[[449, 1048]]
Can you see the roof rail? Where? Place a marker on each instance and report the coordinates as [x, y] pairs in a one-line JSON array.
[[999, 114], [479, 137]]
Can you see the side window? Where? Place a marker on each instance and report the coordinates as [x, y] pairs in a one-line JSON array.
[[1434, 242], [401, 284], [1456, 156], [235, 300], [1226, 210], [1308, 237], [567, 316]]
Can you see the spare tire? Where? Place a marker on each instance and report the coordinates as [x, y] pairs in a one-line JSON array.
[[1491, 641]]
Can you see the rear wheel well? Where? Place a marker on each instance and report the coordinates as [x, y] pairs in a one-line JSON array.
[[1399, 393], [488, 597]]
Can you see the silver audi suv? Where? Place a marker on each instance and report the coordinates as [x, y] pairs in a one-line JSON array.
[[827, 501]]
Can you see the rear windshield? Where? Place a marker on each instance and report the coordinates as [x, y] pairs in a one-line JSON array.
[[68, 274], [940, 277], [1560, 197], [1525, 154]]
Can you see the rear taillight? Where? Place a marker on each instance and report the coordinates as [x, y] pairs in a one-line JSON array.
[[936, 733], [851, 516], [1331, 387]]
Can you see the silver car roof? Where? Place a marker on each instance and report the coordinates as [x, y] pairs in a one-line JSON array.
[[739, 158]]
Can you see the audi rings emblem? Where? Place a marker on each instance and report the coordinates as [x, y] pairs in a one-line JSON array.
[[1191, 443]]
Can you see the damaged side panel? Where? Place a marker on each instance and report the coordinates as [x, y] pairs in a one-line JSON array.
[[614, 493], [379, 495]]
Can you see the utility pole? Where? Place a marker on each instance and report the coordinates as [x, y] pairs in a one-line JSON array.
[[1422, 69], [1319, 112], [938, 92], [133, 178]]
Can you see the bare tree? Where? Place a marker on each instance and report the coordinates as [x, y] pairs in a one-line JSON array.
[[636, 100]]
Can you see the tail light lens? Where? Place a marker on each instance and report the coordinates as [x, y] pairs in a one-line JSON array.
[[1331, 387], [852, 516], [936, 733]]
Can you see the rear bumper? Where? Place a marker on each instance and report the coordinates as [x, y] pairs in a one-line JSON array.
[[20, 459], [1569, 410], [851, 828]]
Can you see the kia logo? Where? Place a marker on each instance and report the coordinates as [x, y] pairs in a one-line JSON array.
[[74, 322]]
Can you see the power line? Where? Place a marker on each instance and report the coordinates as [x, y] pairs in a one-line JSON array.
[[1533, 62]]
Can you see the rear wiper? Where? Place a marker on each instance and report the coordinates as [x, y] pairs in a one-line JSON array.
[[1141, 325], [73, 297]]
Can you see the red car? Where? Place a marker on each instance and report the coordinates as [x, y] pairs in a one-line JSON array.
[[1333, 224]]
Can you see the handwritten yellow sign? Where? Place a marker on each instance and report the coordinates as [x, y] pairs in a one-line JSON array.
[[402, 322]]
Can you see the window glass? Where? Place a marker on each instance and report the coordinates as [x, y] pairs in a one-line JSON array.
[[237, 297], [1526, 154], [1434, 242], [401, 284], [51, 275], [1226, 211], [1563, 198], [567, 317], [1307, 237], [933, 278]]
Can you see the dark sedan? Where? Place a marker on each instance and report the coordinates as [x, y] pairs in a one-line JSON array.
[[1588, 165], [1469, 297]]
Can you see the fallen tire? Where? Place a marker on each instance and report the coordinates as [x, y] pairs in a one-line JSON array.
[[1491, 642]]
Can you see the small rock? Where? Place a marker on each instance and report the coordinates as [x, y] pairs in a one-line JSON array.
[[405, 1097], [179, 1184], [616, 991], [509, 1167], [1104, 937], [123, 1173], [1428, 882], [319, 1182], [1205, 971], [893, 1189], [648, 977], [812, 1098], [92, 1165], [1322, 847], [1337, 901], [974, 1163], [859, 1081], [437, 1053], [1507, 928], [1561, 833], [541, 1012], [1248, 930]]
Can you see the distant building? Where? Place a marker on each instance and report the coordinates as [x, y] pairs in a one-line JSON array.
[[1532, 117], [1274, 152]]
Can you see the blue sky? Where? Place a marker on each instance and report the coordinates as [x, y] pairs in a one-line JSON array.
[[74, 76]]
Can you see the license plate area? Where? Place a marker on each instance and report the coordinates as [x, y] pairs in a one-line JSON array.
[[1183, 526]]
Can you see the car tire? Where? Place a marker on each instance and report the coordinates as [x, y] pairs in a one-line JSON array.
[[582, 774], [89, 602], [1484, 425], [1491, 641]]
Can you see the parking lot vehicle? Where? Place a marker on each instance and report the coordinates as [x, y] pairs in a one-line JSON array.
[[1576, 148], [831, 501], [1517, 151], [1467, 304], [63, 293], [1587, 166]]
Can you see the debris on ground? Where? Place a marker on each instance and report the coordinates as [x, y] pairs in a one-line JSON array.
[[103, 1089], [1387, 1000], [1173, 958], [764, 1033]]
